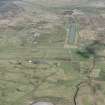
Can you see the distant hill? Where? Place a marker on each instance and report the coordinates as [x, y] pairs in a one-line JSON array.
[[10, 8]]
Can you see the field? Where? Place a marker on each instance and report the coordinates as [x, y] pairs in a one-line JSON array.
[[38, 62]]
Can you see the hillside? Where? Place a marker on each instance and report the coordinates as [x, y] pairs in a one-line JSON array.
[[52, 52]]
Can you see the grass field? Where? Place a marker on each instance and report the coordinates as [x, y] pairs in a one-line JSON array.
[[21, 81], [40, 68]]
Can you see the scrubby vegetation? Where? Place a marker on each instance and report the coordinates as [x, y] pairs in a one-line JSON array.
[[37, 63]]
